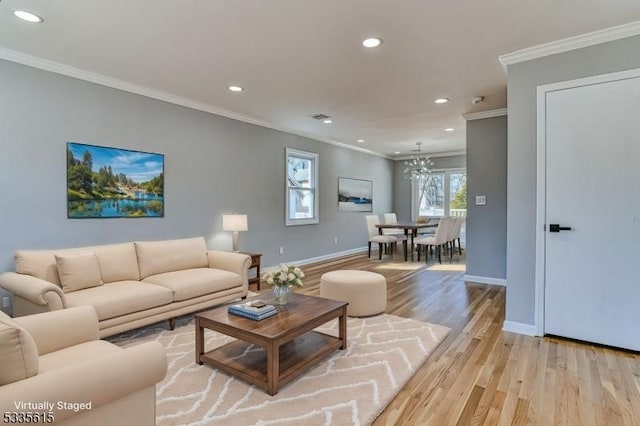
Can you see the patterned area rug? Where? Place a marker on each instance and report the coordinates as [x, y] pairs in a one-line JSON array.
[[349, 387]]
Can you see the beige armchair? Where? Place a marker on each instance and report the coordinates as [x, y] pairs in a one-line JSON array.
[[55, 365]]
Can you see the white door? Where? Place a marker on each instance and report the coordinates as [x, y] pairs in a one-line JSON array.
[[592, 272]]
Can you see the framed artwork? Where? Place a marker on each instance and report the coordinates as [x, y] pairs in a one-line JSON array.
[[105, 182], [355, 195]]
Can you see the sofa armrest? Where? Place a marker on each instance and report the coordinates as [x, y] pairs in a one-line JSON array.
[[98, 380], [60, 329], [232, 262], [34, 290]]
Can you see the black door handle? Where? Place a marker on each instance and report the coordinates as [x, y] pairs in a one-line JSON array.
[[557, 228]]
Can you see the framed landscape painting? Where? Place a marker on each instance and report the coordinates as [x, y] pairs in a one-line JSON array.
[[105, 182], [355, 195]]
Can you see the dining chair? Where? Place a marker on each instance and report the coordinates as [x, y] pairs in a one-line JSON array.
[[390, 218], [438, 240], [456, 234], [430, 221], [451, 230], [375, 237]]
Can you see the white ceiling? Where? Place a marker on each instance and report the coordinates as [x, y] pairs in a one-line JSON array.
[[296, 58]]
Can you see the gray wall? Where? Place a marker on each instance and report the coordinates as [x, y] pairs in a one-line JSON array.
[[402, 186], [523, 79], [213, 165], [487, 175]]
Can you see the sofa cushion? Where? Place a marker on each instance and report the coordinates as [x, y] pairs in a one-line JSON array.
[[157, 257], [18, 352], [120, 298], [118, 262], [78, 271], [196, 282]]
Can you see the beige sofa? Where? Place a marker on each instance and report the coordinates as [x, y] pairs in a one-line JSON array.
[[130, 285], [55, 367]]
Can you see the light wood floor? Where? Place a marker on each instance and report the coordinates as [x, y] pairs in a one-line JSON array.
[[481, 375]]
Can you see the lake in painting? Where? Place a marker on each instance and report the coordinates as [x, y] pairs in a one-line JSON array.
[[107, 182], [355, 195]]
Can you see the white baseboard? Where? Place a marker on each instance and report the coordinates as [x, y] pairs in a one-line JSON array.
[[520, 328], [485, 280], [317, 259]]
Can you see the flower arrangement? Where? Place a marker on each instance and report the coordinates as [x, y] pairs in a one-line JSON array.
[[285, 276]]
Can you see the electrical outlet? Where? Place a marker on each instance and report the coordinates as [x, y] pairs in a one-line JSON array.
[[335, 240], [6, 302], [281, 250]]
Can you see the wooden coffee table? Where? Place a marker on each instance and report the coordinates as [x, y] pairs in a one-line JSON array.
[[290, 345]]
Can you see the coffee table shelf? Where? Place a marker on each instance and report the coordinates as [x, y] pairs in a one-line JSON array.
[[286, 344], [296, 357]]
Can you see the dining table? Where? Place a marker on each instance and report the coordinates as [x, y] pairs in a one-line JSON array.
[[408, 226]]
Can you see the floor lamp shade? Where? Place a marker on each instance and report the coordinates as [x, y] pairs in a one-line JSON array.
[[234, 223]]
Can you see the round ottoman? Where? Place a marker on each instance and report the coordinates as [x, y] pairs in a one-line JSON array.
[[366, 292]]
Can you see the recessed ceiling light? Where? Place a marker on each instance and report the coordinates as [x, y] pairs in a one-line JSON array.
[[327, 121], [27, 16], [236, 88], [360, 140], [397, 152], [441, 100], [449, 129], [372, 42]]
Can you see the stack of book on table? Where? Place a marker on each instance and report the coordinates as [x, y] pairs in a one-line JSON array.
[[254, 309]]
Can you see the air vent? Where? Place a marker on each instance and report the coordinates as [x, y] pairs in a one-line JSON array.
[[320, 117]]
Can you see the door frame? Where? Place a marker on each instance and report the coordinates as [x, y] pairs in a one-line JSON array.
[[541, 167]]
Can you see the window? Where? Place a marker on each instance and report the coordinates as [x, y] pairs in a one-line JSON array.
[[302, 188], [442, 193], [458, 194], [431, 195]]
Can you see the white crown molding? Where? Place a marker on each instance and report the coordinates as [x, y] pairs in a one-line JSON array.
[[430, 154], [485, 114], [571, 43], [447, 153], [103, 80], [485, 280]]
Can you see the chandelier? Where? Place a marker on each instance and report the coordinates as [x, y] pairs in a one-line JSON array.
[[418, 166]]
